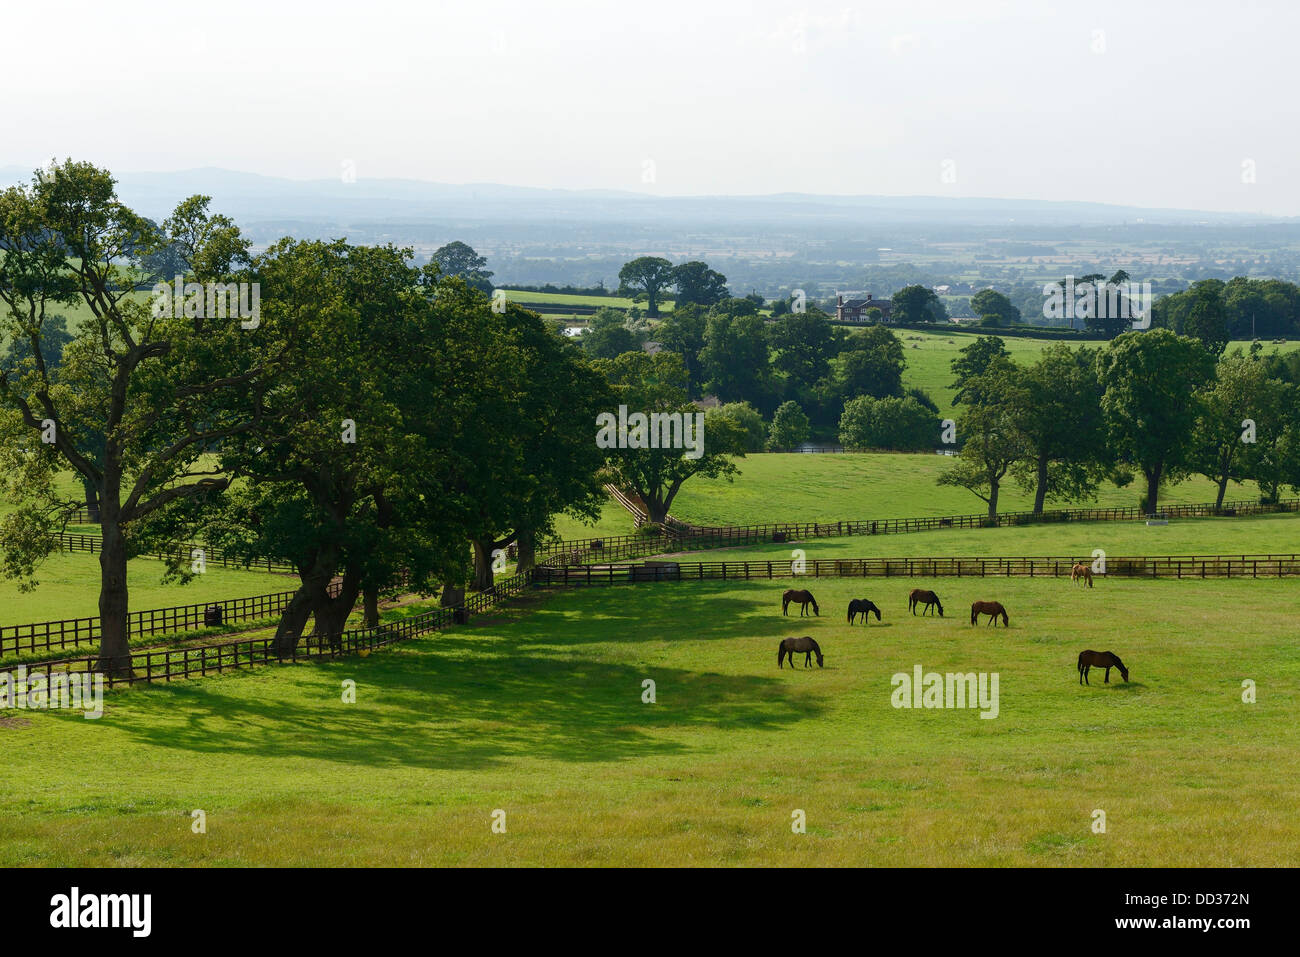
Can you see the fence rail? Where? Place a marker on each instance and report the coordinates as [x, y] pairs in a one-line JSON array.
[[70, 632], [1171, 566], [167, 664], [212, 556], [679, 537]]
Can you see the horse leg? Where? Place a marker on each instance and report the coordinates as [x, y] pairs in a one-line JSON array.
[[1086, 669], [1107, 681]]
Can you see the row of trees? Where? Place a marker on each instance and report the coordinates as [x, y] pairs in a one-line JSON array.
[[650, 277], [1151, 402], [376, 423]]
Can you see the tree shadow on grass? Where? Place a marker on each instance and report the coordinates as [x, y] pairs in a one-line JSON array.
[[473, 698], [654, 612]]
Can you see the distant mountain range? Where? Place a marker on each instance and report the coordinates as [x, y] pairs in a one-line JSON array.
[[252, 198]]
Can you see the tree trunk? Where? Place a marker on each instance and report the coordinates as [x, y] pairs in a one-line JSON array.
[[114, 608], [331, 614], [370, 604], [1153, 490], [92, 501], [311, 598], [482, 564], [527, 551], [1040, 491], [453, 596], [994, 487], [292, 622], [656, 509], [1223, 488]]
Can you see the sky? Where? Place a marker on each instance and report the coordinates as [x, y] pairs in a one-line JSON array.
[[1148, 103]]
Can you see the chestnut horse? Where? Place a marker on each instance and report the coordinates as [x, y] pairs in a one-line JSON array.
[[1100, 659], [990, 608], [920, 596], [804, 598], [864, 607], [1081, 572], [791, 645]]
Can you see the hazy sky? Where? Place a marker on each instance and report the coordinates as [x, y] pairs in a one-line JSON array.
[[1137, 102]]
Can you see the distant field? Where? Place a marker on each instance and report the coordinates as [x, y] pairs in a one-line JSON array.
[[1266, 534], [789, 487], [536, 709], [563, 299], [70, 588], [929, 357]]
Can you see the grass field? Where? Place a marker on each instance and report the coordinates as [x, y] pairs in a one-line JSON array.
[[524, 297], [929, 357], [536, 710], [1269, 534], [791, 487], [69, 588]]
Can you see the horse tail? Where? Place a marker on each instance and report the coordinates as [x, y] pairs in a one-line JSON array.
[[850, 613], [780, 654]]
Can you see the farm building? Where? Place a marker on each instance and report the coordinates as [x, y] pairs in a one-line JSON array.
[[855, 310]]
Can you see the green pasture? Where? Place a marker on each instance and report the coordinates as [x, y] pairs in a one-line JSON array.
[[69, 588], [536, 710], [524, 298], [930, 355], [1266, 534], [793, 487]]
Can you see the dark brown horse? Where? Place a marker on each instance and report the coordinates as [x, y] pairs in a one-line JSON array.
[[1100, 659], [804, 598], [791, 645], [920, 596], [991, 608], [864, 607]]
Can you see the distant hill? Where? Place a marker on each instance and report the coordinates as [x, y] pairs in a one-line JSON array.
[[250, 197]]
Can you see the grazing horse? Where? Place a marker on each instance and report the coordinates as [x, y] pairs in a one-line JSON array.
[[809, 647], [1081, 572], [920, 596], [1099, 659], [804, 598], [990, 608], [864, 607]]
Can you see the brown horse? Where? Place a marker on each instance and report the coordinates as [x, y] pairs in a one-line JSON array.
[[991, 608], [791, 645], [804, 598], [920, 596], [1100, 659], [1081, 572], [864, 607]]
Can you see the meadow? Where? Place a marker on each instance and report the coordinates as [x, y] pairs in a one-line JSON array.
[[794, 487], [929, 357], [1268, 534], [536, 710], [69, 588]]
